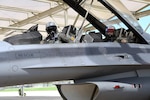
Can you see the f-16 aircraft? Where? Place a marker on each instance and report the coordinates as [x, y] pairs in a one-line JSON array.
[[116, 67]]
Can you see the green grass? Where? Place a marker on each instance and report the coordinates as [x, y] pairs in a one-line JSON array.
[[50, 88]]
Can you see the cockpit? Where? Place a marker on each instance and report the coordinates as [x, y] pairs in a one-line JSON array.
[[102, 32], [69, 35]]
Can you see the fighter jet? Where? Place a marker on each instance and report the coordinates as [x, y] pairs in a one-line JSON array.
[[102, 69]]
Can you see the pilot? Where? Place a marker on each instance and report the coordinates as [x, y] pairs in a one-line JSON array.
[[110, 34], [51, 29]]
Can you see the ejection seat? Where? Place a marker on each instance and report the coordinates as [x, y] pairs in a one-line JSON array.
[[68, 34], [91, 37]]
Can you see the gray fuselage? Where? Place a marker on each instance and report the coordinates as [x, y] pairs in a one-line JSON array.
[[22, 64]]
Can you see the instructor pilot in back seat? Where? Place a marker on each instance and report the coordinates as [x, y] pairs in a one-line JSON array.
[[113, 36], [110, 34]]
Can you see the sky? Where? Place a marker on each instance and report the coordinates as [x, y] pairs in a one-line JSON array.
[[145, 21]]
